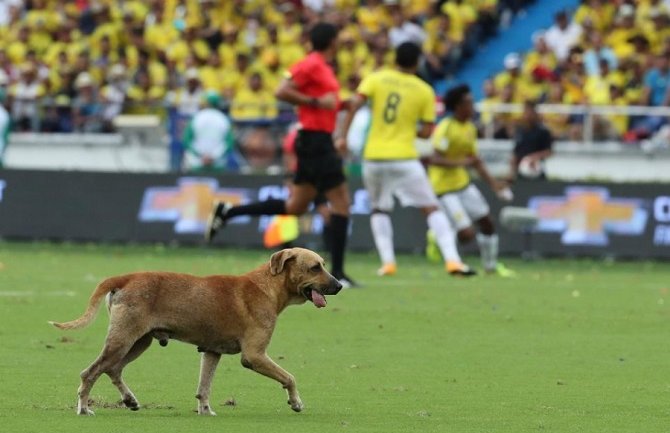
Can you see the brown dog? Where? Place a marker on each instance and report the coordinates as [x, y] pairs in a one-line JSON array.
[[219, 314]]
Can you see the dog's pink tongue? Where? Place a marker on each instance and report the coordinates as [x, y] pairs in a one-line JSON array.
[[318, 299]]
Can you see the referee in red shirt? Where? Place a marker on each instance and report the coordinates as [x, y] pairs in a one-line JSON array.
[[311, 85]]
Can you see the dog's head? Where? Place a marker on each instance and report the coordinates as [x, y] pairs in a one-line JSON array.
[[306, 274]]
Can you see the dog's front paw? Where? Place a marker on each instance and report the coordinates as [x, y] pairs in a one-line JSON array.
[[296, 405], [206, 410], [131, 402], [85, 411]]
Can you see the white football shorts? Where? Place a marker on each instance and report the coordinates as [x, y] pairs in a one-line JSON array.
[[464, 206], [406, 180]]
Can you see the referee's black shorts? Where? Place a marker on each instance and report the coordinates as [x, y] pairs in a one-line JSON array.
[[319, 164]]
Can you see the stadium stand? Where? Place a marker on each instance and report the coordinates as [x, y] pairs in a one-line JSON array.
[[607, 54], [73, 66]]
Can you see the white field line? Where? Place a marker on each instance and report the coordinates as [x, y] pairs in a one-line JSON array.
[[17, 293]]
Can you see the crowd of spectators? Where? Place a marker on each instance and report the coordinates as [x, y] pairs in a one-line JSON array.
[[73, 65], [609, 52]]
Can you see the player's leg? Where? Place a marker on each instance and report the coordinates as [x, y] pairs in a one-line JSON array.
[[454, 207], [478, 209], [438, 224], [382, 232], [379, 191], [338, 197], [487, 240], [415, 190], [455, 212], [301, 196], [321, 207]]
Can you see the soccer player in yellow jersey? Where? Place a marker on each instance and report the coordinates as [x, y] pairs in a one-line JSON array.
[[400, 101], [455, 142]]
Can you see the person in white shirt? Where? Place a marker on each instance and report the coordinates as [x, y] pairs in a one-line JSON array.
[[404, 30], [113, 96], [25, 96], [207, 137], [187, 98], [563, 35]]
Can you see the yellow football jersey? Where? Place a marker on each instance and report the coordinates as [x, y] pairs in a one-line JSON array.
[[398, 102], [454, 140]]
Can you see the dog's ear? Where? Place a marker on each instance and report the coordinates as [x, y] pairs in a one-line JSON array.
[[279, 259]]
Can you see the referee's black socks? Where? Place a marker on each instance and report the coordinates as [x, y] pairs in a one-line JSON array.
[[339, 225], [267, 207]]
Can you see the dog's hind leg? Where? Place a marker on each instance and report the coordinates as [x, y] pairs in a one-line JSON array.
[[255, 358], [115, 373], [208, 363], [121, 337]]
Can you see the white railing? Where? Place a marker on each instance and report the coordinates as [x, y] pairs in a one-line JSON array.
[[588, 111]]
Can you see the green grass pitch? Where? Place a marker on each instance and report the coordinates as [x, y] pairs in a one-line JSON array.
[[568, 346]]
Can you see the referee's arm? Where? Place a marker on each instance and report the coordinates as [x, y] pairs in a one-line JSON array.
[[288, 92]]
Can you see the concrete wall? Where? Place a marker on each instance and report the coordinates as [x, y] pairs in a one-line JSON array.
[[111, 153]]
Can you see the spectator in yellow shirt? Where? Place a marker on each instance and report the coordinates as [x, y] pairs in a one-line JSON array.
[[373, 16], [506, 122], [252, 35], [271, 70], [289, 30], [105, 26], [541, 55], [212, 74], [102, 58], [490, 98], [144, 97], [254, 102], [512, 73], [657, 31], [228, 48], [159, 33], [647, 10], [573, 78], [599, 12], [624, 30], [351, 55], [462, 16], [16, 50], [556, 122], [187, 45], [236, 77], [534, 87], [40, 38], [157, 71], [442, 51], [378, 60], [67, 40], [597, 87], [619, 121]]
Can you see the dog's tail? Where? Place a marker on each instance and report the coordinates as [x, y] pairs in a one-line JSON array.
[[94, 303]]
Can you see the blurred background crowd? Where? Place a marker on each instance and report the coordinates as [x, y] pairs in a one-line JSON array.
[[74, 65], [614, 53]]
